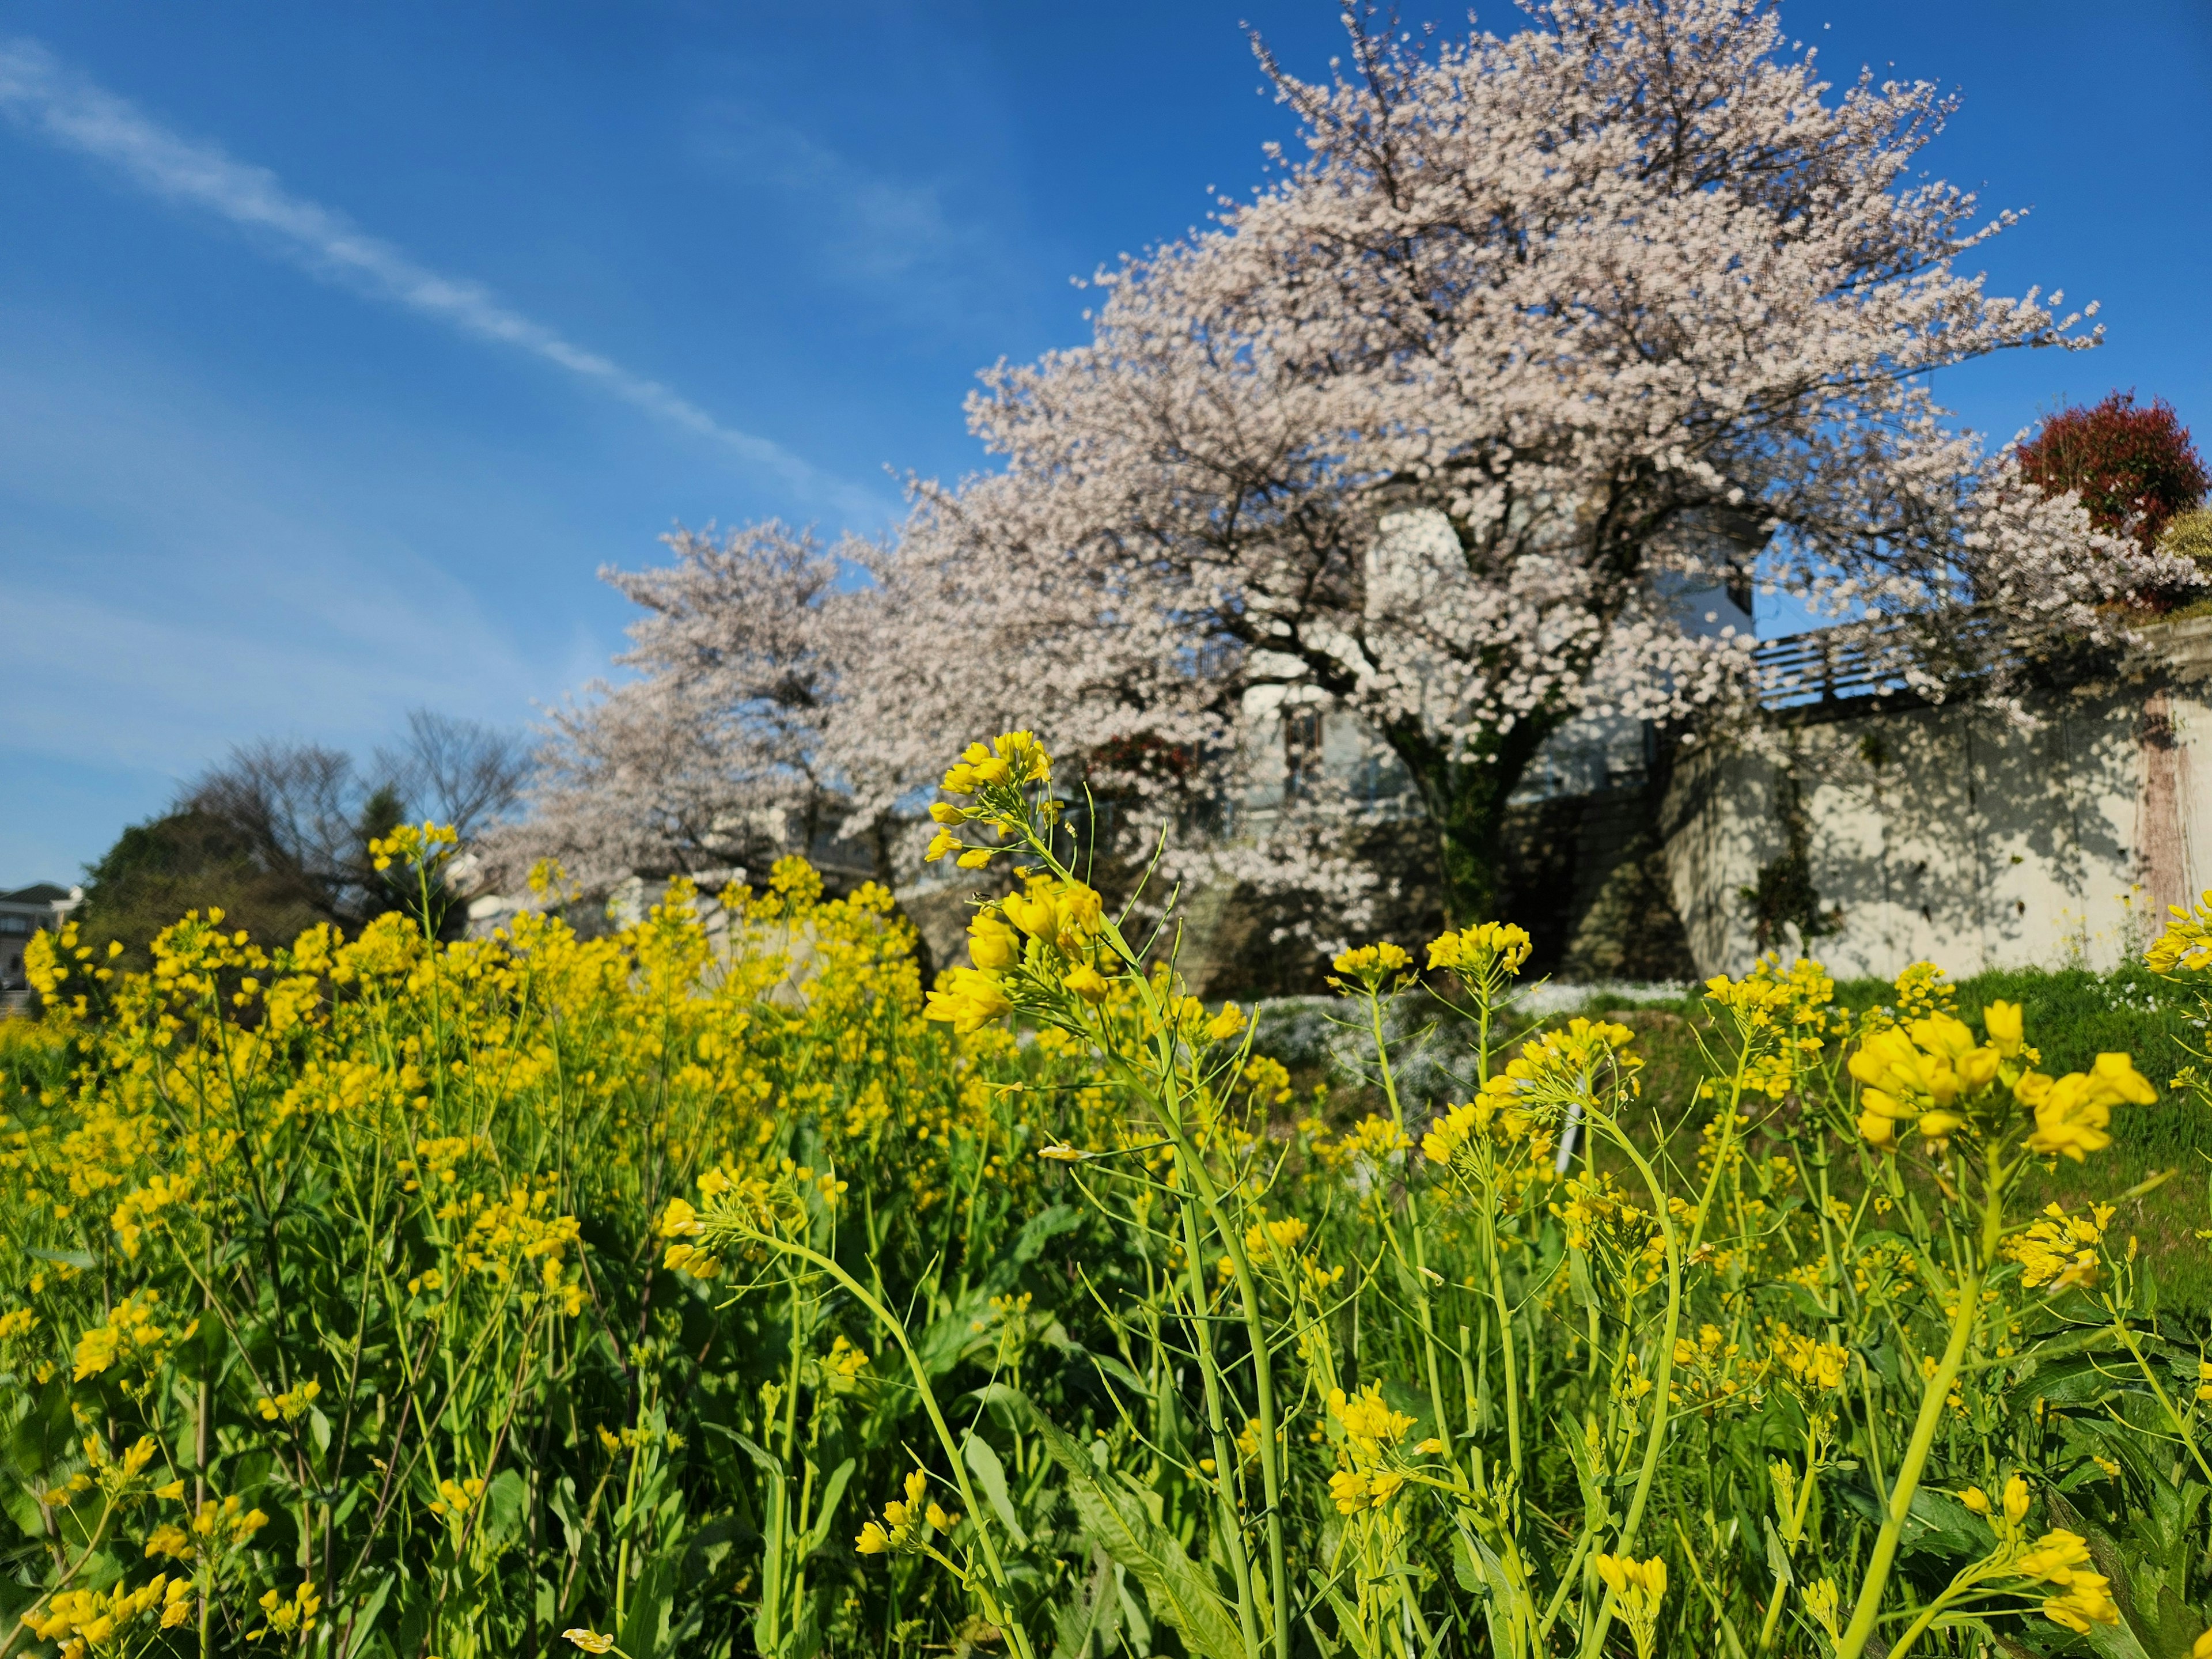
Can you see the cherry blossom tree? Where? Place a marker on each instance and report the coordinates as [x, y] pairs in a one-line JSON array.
[[711, 761], [1444, 427], [1542, 333]]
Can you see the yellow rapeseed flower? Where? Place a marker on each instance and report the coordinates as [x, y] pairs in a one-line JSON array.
[[968, 1000], [1483, 949]]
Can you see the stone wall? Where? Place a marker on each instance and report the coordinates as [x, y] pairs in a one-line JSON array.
[[1957, 834]]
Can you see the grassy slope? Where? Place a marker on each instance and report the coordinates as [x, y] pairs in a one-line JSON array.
[[2072, 1016]]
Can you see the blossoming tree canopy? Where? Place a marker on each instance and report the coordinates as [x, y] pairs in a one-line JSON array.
[[710, 758], [1589, 317]]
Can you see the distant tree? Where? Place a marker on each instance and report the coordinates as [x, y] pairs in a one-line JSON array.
[[2134, 469], [276, 835], [455, 771], [1537, 335], [2189, 536], [189, 859]]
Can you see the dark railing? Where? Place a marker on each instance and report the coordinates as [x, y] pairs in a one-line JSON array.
[[1853, 661]]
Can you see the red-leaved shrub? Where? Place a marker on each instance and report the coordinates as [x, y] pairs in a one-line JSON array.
[[2134, 467]]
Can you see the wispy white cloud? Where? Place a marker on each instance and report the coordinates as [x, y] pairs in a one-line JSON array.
[[199, 572], [46, 97], [903, 241], [183, 569], [878, 230]]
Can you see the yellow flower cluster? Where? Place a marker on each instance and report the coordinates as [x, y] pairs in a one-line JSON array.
[[456, 1498], [1599, 1218], [1488, 951], [2058, 1558], [2072, 1112], [1368, 966], [292, 1616], [1638, 1587], [2060, 1249], [1559, 1068], [127, 1333], [96, 1621], [1814, 1367], [1369, 1474], [908, 1524], [1932, 1072], [423, 843], [2186, 946], [1456, 1129], [290, 1406], [1040, 946], [994, 775], [1705, 1369], [1267, 1240], [1923, 991]]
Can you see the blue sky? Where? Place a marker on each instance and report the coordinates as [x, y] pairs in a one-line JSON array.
[[339, 346]]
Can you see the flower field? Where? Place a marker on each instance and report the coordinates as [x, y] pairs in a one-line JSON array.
[[693, 1292]]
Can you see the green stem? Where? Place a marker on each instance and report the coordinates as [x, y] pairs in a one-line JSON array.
[[1420, 1254], [1504, 1338], [2180, 1426], [1264, 1388], [1201, 1186], [1662, 1383], [1224, 1466], [1908, 1471], [1001, 1586]]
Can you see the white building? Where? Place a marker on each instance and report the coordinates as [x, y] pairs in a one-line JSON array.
[[39, 908]]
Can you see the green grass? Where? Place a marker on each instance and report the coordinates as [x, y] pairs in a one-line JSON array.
[[2072, 1016]]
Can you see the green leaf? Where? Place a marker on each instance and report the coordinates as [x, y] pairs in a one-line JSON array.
[[1117, 1523], [1465, 1569], [1348, 1629], [504, 1501], [991, 1475], [1777, 1553], [1029, 1242], [770, 1464], [364, 1621], [1086, 1626], [832, 1491], [80, 1260], [644, 1633]]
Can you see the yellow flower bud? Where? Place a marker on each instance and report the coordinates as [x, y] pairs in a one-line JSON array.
[[991, 945], [1087, 982], [2001, 1021]]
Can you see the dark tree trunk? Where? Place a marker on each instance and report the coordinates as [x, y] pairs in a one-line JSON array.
[[1464, 796]]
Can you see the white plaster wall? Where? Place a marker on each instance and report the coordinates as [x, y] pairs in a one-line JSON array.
[[1955, 836]]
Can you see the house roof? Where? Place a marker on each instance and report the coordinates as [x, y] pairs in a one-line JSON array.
[[41, 892]]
